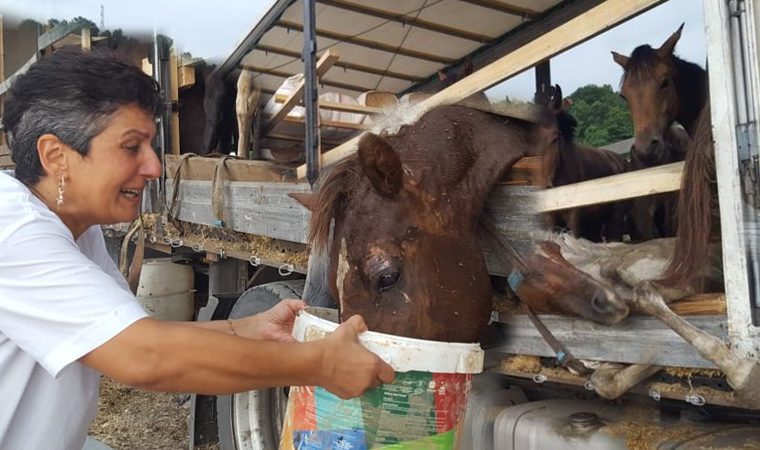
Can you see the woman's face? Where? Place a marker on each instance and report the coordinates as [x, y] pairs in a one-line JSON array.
[[106, 186]]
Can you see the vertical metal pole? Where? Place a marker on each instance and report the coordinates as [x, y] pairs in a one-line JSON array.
[[158, 194], [543, 83], [311, 138]]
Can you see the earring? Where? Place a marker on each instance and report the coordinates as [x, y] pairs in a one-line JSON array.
[[59, 200]]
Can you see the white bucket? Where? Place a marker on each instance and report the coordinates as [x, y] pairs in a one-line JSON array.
[[423, 408]]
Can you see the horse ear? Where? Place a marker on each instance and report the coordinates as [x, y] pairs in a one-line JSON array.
[[556, 102], [308, 201], [666, 49], [381, 164], [621, 60]]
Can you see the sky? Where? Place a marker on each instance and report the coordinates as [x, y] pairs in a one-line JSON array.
[[212, 29]]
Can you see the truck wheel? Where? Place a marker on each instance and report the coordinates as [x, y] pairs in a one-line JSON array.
[[253, 420]]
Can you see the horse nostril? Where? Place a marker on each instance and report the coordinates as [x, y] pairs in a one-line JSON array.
[[600, 304]]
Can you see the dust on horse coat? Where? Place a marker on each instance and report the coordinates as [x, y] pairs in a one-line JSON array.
[[566, 162]]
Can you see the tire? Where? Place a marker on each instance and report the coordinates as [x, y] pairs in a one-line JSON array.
[[253, 420]]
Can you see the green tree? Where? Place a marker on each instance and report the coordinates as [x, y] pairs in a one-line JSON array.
[[603, 117]]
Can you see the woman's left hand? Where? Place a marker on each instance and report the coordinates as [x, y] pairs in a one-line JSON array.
[[275, 324]]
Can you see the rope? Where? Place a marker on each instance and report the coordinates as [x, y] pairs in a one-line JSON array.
[[217, 192]]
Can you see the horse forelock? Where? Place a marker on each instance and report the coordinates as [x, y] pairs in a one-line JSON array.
[[641, 64], [336, 185], [567, 125]]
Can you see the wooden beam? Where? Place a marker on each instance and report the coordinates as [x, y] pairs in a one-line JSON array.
[[324, 63], [514, 10], [281, 74], [343, 107], [7, 83], [174, 87], [341, 64], [373, 45], [57, 33], [572, 32], [86, 39], [202, 169], [655, 180], [330, 124], [409, 20], [185, 77]]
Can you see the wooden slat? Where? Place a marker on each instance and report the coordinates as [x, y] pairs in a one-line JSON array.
[[323, 65], [560, 38], [655, 180], [4, 150], [86, 39], [281, 74], [57, 33], [636, 340], [185, 77], [372, 45], [330, 124], [262, 209], [202, 169], [408, 20], [701, 305], [343, 107], [7, 83]]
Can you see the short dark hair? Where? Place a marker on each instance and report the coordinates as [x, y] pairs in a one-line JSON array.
[[71, 94]]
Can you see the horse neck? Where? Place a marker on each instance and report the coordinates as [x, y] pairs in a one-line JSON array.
[[568, 163], [692, 92]]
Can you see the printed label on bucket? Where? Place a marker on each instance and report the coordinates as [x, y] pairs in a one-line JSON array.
[[419, 410]]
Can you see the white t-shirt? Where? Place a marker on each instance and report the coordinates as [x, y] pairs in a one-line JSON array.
[[59, 300]]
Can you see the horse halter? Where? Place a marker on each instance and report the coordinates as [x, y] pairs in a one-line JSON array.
[[511, 257]]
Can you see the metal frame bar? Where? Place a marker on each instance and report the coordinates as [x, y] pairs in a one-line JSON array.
[[310, 94], [505, 8], [343, 65], [337, 84], [373, 45], [407, 20]]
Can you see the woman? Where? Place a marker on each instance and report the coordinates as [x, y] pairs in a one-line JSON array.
[[80, 127]]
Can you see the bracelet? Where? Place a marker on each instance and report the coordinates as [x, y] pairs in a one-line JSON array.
[[232, 329]]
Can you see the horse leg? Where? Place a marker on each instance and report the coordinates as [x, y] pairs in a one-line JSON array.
[[612, 382], [743, 375], [245, 107], [643, 219], [613, 224]]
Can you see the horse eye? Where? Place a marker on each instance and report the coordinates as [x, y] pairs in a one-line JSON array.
[[388, 280], [665, 83]]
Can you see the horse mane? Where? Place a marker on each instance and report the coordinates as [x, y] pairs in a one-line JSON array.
[[335, 187], [696, 205], [567, 124]]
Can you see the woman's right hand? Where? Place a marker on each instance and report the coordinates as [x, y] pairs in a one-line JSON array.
[[348, 368]]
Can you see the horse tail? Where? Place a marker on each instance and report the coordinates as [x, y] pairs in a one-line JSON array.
[[694, 212]]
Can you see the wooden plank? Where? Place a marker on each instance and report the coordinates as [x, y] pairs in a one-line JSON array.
[[571, 33], [3, 138], [343, 107], [655, 180], [185, 77], [514, 10], [636, 340], [57, 33], [174, 88], [262, 209], [7, 83], [330, 123], [701, 305], [324, 63], [202, 169], [86, 39], [4, 150], [6, 162]]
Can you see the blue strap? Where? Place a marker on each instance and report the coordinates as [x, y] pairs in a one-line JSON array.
[[218, 223], [515, 279], [561, 355]]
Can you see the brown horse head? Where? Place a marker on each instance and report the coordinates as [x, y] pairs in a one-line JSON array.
[[403, 252], [650, 88], [553, 136], [554, 285]]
